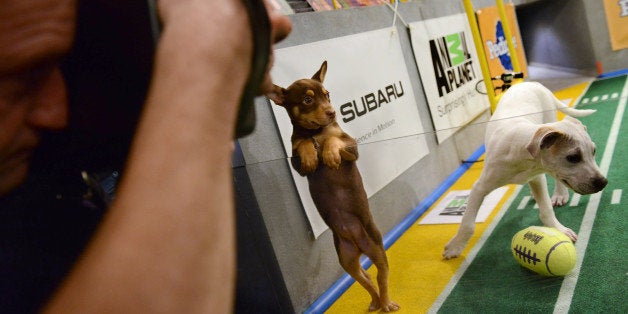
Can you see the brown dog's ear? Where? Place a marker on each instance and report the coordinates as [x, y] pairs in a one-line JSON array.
[[544, 138], [320, 75], [278, 95]]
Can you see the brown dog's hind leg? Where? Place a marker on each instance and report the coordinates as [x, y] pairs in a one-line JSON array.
[[349, 257], [373, 247]]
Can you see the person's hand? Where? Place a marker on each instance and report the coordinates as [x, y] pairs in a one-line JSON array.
[[234, 39], [217, 29], [203, 60]]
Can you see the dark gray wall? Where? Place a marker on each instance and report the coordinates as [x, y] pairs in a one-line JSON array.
[[569, 34], [551, 37], [598, 32]]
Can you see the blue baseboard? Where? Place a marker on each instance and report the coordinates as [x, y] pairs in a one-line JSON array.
[[613, 73]]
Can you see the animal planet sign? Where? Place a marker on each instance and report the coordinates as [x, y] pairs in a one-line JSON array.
[[450, 70], [370, 89]]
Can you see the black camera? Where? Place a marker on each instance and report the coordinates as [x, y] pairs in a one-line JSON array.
[[260, 27]]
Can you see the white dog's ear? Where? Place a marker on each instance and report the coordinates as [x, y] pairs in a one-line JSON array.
[[320, 75], [544, 138], [278, 95]]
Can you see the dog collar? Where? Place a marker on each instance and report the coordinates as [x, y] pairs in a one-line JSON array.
[[315, 142]]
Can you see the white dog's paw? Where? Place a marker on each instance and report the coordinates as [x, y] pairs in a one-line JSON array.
[[569, 233], [560, 195], [557, 225], [453, 249], [560, 200]]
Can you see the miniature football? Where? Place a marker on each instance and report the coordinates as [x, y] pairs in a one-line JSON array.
[[544, 250]]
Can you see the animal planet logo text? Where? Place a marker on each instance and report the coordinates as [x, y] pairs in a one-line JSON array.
[[453, 66]]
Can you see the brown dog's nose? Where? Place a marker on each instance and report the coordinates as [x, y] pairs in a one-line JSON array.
[[331, 114]]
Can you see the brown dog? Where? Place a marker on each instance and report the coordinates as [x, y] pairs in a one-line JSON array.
[[335, 184]]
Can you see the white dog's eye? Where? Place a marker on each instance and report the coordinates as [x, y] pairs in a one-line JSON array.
[[307, 100], [575, 158]]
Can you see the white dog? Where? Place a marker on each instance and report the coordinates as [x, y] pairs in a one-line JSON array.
[[523, 142]]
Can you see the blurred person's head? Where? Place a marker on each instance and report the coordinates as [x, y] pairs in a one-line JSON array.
[[34, 36]]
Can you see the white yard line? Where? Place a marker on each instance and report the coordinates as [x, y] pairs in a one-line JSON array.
[[524, 202], [472, 253], [569, 283], [575, 199], [616, 198]]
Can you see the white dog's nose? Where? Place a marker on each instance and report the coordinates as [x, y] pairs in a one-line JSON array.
[[599, 183]]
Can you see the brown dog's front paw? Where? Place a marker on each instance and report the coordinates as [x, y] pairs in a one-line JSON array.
[[308, 155], [348, 156], [331, 152], [309, 163], [331, 158]]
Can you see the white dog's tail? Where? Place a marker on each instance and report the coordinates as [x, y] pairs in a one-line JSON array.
[[572, 111]]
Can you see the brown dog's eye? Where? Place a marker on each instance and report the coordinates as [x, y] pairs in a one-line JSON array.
[[327, 95], [574, 159], [307, 100]]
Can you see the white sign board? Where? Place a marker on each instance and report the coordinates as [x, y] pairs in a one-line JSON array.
[[450, 70], [370, 89], [451, 208]]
